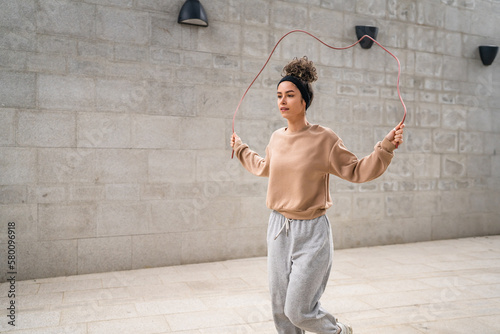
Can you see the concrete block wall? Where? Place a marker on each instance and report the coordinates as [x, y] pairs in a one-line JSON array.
[[115, 123]]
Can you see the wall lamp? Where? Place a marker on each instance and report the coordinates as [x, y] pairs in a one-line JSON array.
[[371, 31], [193, 13], [488, 53]]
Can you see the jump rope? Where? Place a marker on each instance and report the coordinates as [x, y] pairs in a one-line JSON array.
[[331, 47]]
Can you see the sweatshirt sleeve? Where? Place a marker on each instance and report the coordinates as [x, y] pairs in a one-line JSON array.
[[254, 163], [346, 165]]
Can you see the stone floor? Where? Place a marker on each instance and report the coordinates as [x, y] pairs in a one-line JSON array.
[[450, 286]]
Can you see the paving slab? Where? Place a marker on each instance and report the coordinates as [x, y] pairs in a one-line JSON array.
[[438, 287]]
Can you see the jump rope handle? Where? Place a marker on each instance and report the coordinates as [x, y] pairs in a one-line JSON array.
[[399, 126]]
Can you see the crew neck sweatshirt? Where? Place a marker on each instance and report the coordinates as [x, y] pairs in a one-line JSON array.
[[299, 165]]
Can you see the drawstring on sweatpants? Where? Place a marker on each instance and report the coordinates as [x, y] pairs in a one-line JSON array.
[[286, 226]]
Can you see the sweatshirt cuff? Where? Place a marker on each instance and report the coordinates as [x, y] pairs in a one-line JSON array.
[[238, 147], [387, 145]]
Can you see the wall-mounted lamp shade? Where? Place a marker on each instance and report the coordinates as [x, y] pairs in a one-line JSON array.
[[366, 43], [488, 53], [192, 12]]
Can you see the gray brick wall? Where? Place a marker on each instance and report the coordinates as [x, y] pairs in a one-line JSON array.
[[115, 122]]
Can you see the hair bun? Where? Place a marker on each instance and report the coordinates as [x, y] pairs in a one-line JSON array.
[[301, 68]]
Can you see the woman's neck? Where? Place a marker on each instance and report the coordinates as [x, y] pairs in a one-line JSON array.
[[297, 125]]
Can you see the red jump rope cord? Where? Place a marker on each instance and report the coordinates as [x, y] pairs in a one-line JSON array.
[[331, 47]]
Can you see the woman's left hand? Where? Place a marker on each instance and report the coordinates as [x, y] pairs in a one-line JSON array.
[[396, 135]]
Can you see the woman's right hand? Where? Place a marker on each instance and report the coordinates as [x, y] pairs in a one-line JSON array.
[[235, 139]]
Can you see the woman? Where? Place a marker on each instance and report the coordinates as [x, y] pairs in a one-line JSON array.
[[298, 162]]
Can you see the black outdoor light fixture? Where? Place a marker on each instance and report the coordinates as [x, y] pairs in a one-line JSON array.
[[371, 31], [192, 12], [488, 53]]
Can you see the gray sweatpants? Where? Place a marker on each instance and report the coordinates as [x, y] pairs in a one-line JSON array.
[[299, 263]]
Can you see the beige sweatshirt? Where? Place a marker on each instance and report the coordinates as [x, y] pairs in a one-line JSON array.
[[299, 165]]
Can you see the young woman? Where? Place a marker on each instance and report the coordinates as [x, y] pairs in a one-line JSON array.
[[299, 160]]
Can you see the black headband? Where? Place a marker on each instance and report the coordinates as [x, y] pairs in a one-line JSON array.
[[301, 86]]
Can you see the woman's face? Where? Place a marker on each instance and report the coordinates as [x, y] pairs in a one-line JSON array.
[[290, 101]]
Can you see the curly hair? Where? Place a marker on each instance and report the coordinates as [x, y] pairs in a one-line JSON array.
[[301, 68], [304, 70]]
